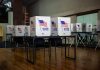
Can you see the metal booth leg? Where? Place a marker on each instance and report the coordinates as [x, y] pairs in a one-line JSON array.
[[49, 51], [75, 41], [34, 51], [31, 53], [55, 51], [65, 46], [97, 44]]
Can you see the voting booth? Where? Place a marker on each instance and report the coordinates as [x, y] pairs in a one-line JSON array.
[[83, 27], [9, 33], [40, 26], [27, 30], [54, 28], [73, 27], [48, 31], [88, 27], [98, 27], [78, 27], [18, 35], [10, 29], [19, 30], [63, 24], [94, 29]]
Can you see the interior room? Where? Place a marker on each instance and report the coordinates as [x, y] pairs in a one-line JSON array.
[[49, 34]]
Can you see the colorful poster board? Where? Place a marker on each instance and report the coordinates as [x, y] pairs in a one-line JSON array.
[[78, 27], [64, 26], [10, 29], [40, 26]]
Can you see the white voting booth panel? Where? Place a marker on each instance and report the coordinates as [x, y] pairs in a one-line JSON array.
[[10, 29], [32, 26], [64, 26], [27, 30], [94, 29], [19, 30], [98, 27], [83, 27], [78, 27], [88, 27], [54, 28], [40, 26], [73, 27]]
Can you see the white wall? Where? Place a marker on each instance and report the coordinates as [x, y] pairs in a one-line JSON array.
[[63, 7]]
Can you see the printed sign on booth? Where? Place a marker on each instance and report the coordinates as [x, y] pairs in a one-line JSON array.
[[79, 27], [20, 30], [41, 26], [64, 26], [88, 27], [10, 29]]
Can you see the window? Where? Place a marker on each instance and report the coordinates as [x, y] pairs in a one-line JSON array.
[[88, 18]]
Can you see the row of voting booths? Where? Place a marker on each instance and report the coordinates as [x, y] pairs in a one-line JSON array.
[[41, 29], [41, 26], [52, 30], [86, 34], [60, 26], [83, 27]]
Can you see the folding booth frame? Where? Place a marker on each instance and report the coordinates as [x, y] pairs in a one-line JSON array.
[[32, 59]]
